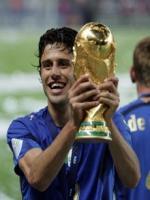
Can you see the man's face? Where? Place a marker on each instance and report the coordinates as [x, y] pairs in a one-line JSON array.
[[56, 73]]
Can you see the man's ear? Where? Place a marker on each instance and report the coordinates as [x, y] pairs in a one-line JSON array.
[[133, 74]]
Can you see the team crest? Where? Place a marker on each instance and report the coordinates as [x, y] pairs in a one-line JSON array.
[[16, 145]]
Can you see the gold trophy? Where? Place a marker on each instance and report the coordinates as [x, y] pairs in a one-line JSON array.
[[94, 53]]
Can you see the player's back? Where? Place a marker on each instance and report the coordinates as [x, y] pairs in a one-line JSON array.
[[137, 116]]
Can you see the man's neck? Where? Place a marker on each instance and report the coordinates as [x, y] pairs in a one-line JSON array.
[[141, 89], [59, 114]]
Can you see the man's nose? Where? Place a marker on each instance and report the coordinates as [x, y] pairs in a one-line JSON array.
[[55, 72]]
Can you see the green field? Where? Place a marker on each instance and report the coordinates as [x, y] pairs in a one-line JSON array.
[[18, 54], [18, 51], [126, 39], [9, 182]]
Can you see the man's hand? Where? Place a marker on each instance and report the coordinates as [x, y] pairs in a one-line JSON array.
[[109, 96], [83, 95]]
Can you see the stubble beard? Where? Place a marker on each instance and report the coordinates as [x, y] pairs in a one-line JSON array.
[[58, 101]]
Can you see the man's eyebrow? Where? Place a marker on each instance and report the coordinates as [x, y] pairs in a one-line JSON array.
[[63, 58], [45, 61], [64, 61]]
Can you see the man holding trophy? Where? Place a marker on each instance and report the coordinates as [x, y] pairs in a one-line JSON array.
[[76, 146]]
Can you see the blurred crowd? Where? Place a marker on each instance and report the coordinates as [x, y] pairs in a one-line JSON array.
[[68, 12], [82, 11]]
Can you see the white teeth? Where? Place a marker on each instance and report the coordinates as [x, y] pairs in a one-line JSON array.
[[57, 85]]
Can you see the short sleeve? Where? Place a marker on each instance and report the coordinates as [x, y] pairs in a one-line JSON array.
[[20, 140], [122, 126]]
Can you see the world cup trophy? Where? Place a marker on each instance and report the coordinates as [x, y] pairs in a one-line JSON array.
[[94, 54]]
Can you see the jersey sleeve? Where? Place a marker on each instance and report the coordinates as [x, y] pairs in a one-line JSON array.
[[20, 140], [122, 126]]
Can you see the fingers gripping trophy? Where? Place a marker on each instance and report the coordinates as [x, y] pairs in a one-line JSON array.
[[94, 53]]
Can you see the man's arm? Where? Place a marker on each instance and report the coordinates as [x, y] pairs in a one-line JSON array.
[[125, 160], [41, 167]]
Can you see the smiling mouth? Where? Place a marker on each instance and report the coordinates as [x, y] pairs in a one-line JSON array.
[[56, 85]]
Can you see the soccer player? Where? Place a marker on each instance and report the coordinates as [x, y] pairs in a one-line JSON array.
[[137, 116], [50, 163]]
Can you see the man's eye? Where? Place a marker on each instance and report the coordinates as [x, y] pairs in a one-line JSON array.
[[47, 64], [64, 64]]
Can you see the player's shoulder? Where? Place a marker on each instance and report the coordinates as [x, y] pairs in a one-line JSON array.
[[28, 119], [126, 109], [36, 115]]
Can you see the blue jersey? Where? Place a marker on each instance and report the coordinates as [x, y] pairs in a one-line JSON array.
[[137, 116], [90, 171]]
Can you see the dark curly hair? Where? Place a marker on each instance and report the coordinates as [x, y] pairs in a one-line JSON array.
[[64, 35], [141, 61]]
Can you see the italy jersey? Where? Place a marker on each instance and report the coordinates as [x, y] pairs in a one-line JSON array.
[[88, 172], [137, 116]]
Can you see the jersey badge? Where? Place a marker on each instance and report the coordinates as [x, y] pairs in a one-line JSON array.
[[16, 145]]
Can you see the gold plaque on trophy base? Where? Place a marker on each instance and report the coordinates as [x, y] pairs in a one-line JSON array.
[[93, 131]]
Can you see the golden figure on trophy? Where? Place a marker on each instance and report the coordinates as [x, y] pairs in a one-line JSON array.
[[94, 53]]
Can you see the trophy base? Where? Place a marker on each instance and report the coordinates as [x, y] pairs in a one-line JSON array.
[[93, 132]]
